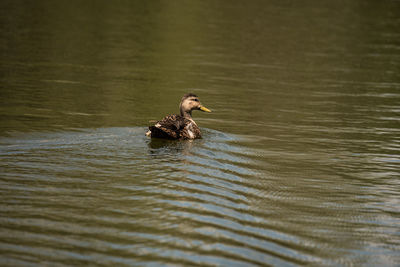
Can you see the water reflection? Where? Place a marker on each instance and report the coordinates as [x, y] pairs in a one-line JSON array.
[[297, 166], [205, 200], [197, 194]]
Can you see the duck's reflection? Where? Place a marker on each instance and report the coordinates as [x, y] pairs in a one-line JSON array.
[[164, 147]]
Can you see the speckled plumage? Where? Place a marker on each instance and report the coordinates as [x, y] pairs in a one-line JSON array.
[[175, 127], [179, 126]]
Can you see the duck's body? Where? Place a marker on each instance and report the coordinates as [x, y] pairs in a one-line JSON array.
[[175, 127], [179, 126]]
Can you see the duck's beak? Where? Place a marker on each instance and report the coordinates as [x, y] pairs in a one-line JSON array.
[[203, 108]]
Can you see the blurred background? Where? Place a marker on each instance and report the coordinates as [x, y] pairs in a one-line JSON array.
[[299, 161]]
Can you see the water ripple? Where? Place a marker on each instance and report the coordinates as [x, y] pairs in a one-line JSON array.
[[94, 196]]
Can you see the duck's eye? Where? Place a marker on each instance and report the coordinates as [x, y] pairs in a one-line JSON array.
[[196, 100]]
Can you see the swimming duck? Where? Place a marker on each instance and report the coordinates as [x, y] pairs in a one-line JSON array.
[[179, 126]]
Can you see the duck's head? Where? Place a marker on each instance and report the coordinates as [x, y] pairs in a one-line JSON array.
[[191, 102]]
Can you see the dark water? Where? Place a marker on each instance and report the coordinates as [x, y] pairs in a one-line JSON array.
[[299, 162]]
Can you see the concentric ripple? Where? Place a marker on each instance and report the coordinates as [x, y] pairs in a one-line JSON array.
[[112, 196]]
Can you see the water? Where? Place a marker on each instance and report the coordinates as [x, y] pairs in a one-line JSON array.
[[299, 161]]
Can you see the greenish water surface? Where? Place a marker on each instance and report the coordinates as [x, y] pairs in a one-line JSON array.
[[299, 163]]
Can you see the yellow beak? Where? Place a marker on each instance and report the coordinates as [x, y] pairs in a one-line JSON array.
[[202, 108]]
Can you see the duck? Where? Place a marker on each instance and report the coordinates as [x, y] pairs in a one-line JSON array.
[[179, 126]]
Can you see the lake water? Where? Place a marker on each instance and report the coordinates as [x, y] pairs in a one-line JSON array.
[[299, 163]]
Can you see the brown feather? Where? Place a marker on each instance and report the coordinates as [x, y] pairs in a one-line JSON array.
[[179, 126], [175, 127]]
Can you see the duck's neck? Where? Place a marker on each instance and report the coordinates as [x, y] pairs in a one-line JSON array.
[[186, 113]]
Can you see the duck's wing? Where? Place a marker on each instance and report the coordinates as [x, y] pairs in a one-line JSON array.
[[169, 127], [190, 131]]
